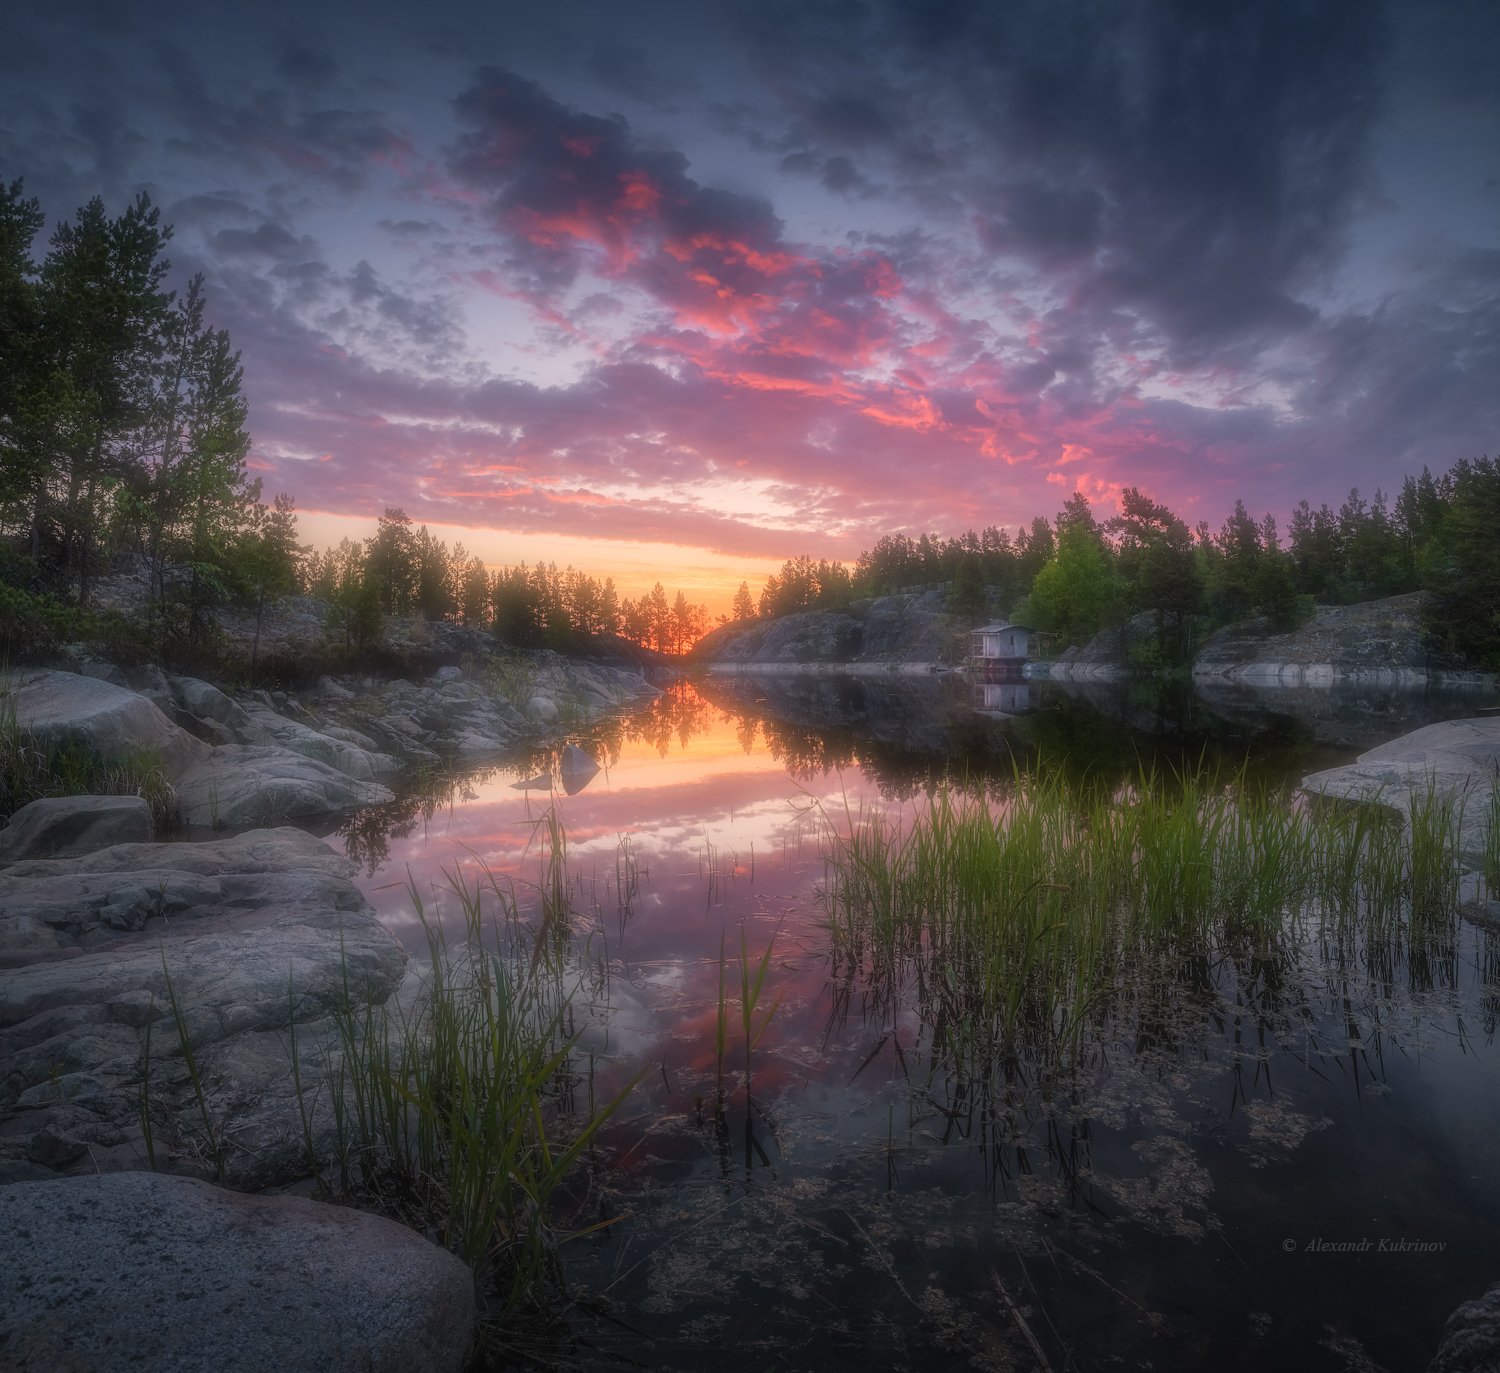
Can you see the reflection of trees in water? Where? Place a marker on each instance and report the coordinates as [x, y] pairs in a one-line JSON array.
[[367, 833], [678, 713], [908, 738]]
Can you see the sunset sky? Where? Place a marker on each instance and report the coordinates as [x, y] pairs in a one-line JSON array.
[[682, 290]]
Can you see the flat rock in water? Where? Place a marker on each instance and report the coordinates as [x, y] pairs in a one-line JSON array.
[[1459, 760], [171, 1273], [68, 826]]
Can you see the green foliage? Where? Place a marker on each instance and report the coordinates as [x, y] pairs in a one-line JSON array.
[[966, 596], [122, 424], [1274, 588], [1035, 916], [1076, 593], [744, 605], [1461, 564]]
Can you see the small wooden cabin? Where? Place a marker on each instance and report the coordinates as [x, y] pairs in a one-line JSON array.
[[1001, 643]]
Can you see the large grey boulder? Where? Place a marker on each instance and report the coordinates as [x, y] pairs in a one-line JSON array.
[[204, 700], [142, 1270], [543, 709], [248, 784], [114, 724], [66, 826]]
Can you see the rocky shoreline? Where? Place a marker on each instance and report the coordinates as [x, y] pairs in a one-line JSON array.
[[90, 911], [1377, 643], [108, 936]]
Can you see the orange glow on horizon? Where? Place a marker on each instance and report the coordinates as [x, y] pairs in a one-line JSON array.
[[704, 577]]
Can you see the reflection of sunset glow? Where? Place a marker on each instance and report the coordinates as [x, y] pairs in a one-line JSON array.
[[700, 812]]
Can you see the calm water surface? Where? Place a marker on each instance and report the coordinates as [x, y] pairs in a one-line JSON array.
[[1285, 1160]]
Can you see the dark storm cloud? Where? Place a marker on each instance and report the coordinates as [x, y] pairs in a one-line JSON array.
[[542, 162], [1416, 378], [260, 127], [1200, 163], [266, 240], [977, 255], [568, 188], [302, 64]]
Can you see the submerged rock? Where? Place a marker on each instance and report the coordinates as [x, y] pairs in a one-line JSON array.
[[172, 1273], [1457, 761]]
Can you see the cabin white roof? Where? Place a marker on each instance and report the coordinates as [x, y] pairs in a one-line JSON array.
[[1000, 628]]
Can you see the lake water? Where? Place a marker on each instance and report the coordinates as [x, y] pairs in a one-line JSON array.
[[1292, 1160]]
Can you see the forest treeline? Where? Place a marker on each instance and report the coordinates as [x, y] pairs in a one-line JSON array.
[[122, 431], [1077, 574]]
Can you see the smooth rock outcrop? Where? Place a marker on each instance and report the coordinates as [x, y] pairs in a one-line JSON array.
[[262, 725], [168, 1273], [250, 784], [67, 826], [910, 627], [112, 723], [472, 717], [256, 932], [1376, 642]]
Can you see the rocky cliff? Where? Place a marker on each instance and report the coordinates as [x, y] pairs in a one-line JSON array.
[[1378, 642], [884, 632]]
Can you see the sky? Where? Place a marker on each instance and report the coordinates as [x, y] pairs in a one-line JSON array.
[[681, 290]]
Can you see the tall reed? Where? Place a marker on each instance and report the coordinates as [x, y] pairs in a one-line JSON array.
[[453, 1107], [1028, 918]]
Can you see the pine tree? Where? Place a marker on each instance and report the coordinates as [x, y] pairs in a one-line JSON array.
[[23, 458], [744, 607], [102, 307]]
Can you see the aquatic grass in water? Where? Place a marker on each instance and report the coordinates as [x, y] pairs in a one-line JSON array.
[[452, 1107], [1491, 862], [1027, 920]]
